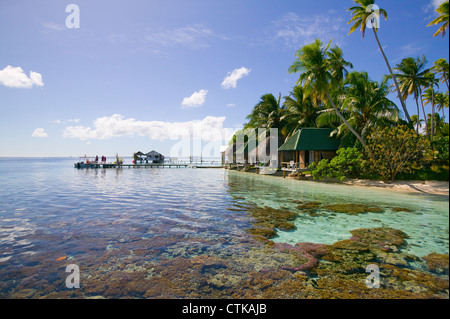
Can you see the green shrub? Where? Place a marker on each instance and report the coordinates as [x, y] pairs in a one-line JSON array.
[[394, 150], [347, 164]]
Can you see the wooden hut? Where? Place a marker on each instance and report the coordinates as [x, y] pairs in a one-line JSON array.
[[308, 145], [154, 157]]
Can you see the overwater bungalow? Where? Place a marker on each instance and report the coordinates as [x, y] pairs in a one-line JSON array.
[[154, 157], [150, 157], [308, 145]]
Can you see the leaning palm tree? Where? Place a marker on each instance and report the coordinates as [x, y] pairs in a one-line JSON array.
[[362, 17], [441, 19], [314, 65], [412, 75]]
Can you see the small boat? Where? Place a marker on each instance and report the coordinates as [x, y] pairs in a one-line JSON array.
[[87, 162]]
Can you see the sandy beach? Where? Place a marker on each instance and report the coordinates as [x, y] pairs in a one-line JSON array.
[[425, 187]]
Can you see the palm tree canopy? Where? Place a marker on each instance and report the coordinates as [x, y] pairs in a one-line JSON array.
[[313, 64], [443, 11], [441, 68], [338, 65], [268, 113], [367, 104], [301, 111], [412, 75], [317, 66], [361, 14]]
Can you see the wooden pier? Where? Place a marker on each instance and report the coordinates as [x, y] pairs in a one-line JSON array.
[[115, 165]]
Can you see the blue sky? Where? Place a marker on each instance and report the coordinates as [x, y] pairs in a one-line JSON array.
[[139, 75]]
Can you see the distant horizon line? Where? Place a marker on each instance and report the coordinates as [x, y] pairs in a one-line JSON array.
[[69, 156]]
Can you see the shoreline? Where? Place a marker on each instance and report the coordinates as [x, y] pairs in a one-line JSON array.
[[421, 187]]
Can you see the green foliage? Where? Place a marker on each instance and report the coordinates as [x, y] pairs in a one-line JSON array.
[[440, 147], [391, 151], [433, 173], [347, 164]]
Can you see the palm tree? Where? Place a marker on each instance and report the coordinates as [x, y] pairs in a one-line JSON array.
[[428, 98], [412, 75], [367, 103], [416, 120], [314, 64], [301, 111], [441, 69], [441, 101], [268, 113], [361, 15], [337, 63], [431, 82], [442, 18]]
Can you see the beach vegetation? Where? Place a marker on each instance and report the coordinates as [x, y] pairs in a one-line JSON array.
[[347, 164], [395, 150], [379, 139], [366, 11], [442, 19]]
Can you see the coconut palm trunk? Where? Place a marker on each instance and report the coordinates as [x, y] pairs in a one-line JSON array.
[[418, 114], [408, 118], [345, 121], [424, 114]]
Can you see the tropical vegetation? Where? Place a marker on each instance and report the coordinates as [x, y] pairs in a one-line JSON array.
[[441, 19], [379, 139]]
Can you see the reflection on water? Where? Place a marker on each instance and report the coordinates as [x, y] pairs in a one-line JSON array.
[[167, 232]]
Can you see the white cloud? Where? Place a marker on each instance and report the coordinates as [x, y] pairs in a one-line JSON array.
[[39, 132], [231, 105], [117, 126], [430, 7], [195, 100], [54, 26], [69, 121], [231, 79], [296, 31], [15, 77], [437, 3], [158, 41]]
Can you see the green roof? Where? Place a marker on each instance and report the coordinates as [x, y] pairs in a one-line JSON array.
[[311, 139]]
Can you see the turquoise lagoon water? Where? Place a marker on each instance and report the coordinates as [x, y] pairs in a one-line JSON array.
[[49, 209], [427, 222]]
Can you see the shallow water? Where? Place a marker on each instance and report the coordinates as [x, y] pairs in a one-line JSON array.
[[426, 223], [114, 222]]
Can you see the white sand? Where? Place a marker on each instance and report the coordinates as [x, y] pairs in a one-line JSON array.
[[426, 187]]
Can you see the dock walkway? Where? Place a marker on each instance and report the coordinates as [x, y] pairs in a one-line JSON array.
[[115, 165]]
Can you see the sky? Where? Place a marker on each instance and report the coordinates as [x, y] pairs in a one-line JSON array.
[[101, 77]]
